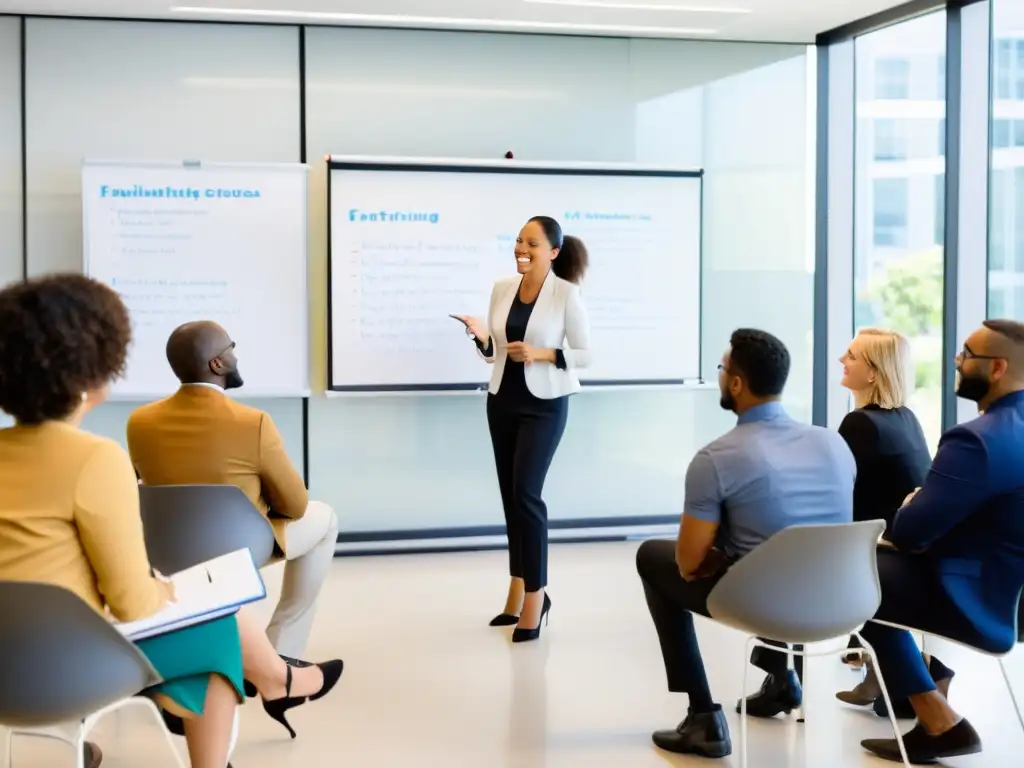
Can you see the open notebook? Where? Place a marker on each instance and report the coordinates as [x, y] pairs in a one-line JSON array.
[[204, 592]]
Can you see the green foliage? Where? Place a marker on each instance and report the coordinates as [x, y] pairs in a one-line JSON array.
[[909, 294]]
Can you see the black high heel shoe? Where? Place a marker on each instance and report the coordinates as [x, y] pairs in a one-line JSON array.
[[250, 689], [525, 635], [278, 708], [504, 620]]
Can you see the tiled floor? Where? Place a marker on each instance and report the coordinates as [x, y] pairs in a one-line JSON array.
[[427, 683]]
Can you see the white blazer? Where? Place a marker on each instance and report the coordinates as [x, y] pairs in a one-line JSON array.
[[558, 321]]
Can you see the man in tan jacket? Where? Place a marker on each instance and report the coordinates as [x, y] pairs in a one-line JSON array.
[[199, 436]]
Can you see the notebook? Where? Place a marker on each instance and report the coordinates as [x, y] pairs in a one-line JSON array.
[[204, 592]]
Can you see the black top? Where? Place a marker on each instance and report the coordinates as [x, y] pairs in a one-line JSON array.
[[513, 378], [892, 459]]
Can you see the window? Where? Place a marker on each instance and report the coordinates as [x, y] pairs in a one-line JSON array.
[[892, 79], [890, 139], [1008, 65], [1001, 134], [890, 212], [997, 303], [1006, 179], [899, 224]]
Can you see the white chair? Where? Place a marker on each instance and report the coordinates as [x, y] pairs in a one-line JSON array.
[[65, 668], [806, 584]]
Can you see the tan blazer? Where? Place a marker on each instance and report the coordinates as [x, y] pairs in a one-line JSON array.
[[200, 436], [69, 516]]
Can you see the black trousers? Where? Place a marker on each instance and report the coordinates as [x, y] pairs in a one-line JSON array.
[[672, 602], [525, 432]]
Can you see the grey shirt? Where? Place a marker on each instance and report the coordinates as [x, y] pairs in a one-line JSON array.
[[766, 474]]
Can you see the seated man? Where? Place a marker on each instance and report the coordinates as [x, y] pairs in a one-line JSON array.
[[958, 565], [768, 473], [201, 436]]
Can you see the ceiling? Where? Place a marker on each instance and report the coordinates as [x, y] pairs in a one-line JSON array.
[[796, 21]]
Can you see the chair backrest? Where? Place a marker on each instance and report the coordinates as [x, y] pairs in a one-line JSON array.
[[805, 584], [61, 660], [189, 524]]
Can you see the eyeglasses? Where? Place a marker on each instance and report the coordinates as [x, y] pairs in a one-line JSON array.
[[968, 354], [226, 350]]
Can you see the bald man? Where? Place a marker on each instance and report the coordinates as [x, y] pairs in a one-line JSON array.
[[200, 436], [956, 566]]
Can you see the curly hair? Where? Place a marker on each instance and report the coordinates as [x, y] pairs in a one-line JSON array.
[[60, 335], [762, 359]]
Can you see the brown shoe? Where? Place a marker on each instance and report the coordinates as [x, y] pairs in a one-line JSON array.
[[92, 754], [865, 692]]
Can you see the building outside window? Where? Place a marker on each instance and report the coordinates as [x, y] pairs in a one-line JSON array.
[[1006, 199], [900, 194]]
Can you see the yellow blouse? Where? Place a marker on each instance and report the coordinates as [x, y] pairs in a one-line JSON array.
[[69, 515]]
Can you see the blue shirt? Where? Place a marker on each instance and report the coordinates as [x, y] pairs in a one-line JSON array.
[[766, 474]]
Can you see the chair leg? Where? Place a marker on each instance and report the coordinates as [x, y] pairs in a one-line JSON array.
[[801, 714], [751, 641], [10, 748], [155, 711], [885, 695], [1013, 696], [79, 745]]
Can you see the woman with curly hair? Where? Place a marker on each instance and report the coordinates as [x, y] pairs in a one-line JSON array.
[[69, 509]]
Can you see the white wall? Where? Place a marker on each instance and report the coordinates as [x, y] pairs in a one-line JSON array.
[[230, 92], [150, 91], [425, 461]]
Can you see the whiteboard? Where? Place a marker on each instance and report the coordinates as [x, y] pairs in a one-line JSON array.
[[204, 241], [412, 241]]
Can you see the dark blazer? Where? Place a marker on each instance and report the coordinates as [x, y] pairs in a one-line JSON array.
[[969, 518], [892, 459]]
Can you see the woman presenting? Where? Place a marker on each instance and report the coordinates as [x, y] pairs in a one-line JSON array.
[[536, 335]]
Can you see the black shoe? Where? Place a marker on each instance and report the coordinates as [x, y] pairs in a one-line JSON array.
[[504, 620], [523, 635], [250, 689], [278, 708], [923, 748], [92, 754], [705, 734], [777, 695]]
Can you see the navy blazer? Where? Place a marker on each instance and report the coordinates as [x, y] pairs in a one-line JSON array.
[[969, 517]]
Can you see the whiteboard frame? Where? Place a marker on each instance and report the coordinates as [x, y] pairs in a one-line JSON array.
[[469, 165], [189, 164]]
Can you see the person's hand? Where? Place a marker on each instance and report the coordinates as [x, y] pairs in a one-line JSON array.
[[521, 352], [475, 327], [910, 496]]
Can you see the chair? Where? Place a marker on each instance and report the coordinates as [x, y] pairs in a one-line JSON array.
[[999, 655], [806, 584], [65, 667], [185, 525]]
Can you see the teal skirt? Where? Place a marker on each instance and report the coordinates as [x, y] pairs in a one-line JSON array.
[[185, 659]]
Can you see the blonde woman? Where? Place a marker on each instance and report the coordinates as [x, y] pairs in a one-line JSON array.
[[884, 434], [892, 460]]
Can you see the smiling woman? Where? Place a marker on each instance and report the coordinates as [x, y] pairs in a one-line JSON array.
[[536, 335]]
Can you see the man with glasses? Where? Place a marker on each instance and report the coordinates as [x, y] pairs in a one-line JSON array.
[[956, 566], [199, 436]]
